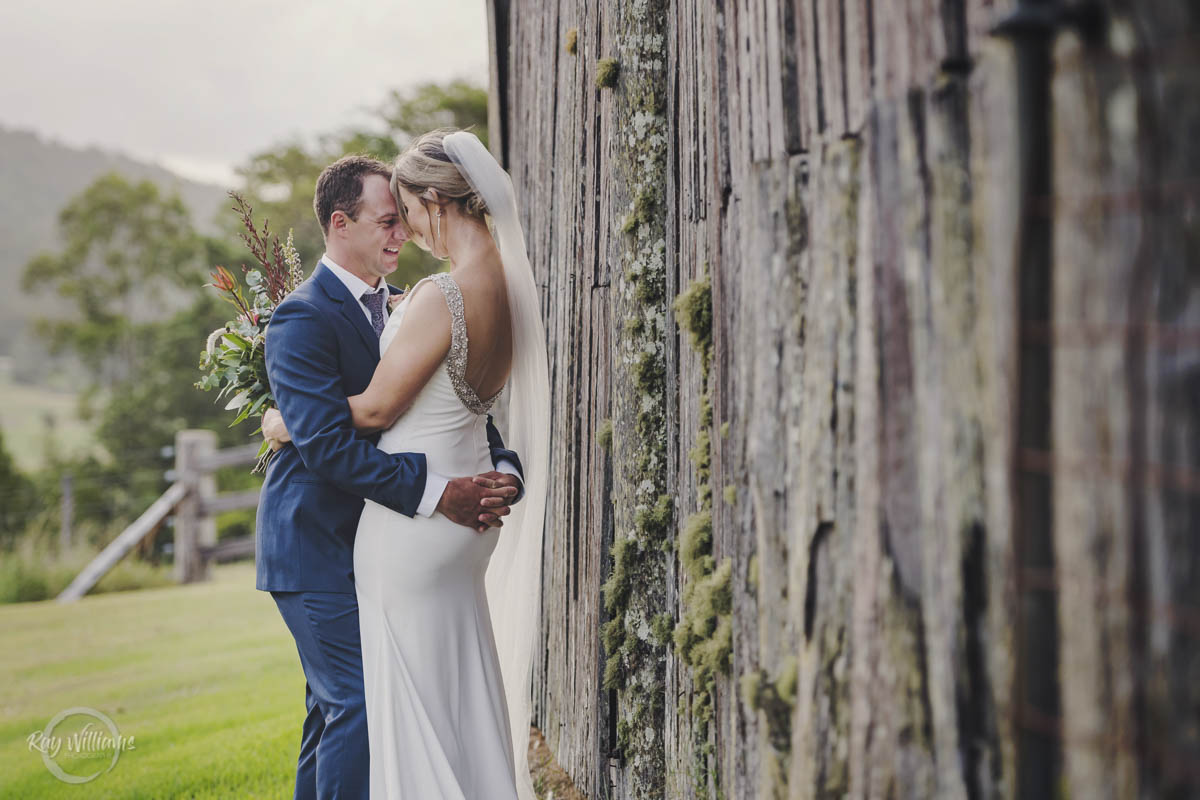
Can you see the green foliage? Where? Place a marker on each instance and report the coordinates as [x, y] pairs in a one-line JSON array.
[[17, 497], [280, 181], [135, 420], [607, 71], [127, 249], [40, 177], [32, 574], [146, 410], [572, 45], [129, 257]]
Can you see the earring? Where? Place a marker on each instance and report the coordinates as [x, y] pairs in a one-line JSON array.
[[439, 225]]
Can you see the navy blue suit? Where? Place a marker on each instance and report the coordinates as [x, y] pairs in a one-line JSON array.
[[320, 350]]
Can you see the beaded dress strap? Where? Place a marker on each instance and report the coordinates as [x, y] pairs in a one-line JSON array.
[[456, 361]]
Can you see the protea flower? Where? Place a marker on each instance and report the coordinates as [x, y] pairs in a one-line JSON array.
[[223, 280]]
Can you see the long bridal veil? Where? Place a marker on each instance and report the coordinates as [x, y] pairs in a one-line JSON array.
[[514, 573]]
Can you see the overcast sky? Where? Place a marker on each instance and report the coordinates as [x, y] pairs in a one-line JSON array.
[[199, 86]]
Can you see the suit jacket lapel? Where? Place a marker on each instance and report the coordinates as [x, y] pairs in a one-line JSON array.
[[351, 310]]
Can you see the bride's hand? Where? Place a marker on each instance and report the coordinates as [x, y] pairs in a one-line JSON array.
[[273, 429]]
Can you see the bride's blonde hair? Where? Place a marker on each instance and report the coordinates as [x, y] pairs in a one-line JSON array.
[[424, 165]]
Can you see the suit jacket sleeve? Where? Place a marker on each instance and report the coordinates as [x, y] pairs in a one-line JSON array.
[[499, 453], [303, 368]]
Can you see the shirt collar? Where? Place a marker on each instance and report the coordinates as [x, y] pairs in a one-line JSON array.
[[357, 286]]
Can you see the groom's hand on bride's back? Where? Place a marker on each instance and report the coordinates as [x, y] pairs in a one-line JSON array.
[[478, 502]]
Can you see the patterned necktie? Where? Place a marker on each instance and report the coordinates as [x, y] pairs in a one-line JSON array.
[[374, 303]]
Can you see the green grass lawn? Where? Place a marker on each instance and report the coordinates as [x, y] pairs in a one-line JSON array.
[[23, 411], [204, 677]]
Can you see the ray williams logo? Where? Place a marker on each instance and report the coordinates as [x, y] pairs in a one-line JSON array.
[[79, 737]]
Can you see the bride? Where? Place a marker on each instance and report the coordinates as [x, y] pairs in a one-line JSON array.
[[447, 614]]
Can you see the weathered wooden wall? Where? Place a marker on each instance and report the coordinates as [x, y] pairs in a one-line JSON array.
[[915, 513]]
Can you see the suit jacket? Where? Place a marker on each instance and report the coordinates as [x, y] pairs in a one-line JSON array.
[[320, 349]]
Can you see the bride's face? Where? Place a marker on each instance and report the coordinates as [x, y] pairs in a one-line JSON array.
[[420, 218]]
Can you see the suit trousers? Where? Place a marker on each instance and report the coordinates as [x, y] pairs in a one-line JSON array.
[[334, 762]]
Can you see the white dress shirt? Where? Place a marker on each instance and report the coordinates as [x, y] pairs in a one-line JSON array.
[[435, 484], [357, 286]]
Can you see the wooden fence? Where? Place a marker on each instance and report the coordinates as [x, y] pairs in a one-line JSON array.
[[914, 512], [194, 503]]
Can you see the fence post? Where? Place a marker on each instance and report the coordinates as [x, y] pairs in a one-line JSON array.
[[192, 529], [68, 512]]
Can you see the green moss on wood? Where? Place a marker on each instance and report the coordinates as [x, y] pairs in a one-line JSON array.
[[655, 522], [695, 547], [724, 430], [704, 636], [623, 734], [616, 588], [614, 673], [731, 495], [572, 45], [611, 635], [637, 666], [751, 684], [641, 213], [663, 628], [701, 455], [693, 311], [649, 375], [604, 434], [607, 70], [775, 699], [649, 291], [789, 674]]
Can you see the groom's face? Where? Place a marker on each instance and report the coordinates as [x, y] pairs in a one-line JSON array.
[[376, 236]]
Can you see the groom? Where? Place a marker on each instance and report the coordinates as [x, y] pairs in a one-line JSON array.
[[322, 347]]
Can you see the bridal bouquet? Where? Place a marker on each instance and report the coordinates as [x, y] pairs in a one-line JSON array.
[[234, 361]]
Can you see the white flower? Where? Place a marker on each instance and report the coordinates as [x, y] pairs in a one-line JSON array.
[[214, 337], [292, 259]]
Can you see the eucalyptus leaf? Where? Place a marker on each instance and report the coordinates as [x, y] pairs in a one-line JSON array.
[[239, 400]]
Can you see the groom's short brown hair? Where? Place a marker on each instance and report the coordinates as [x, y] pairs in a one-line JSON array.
[[340, 187]]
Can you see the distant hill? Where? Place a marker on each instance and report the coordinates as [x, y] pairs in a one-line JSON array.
[[37, 178]]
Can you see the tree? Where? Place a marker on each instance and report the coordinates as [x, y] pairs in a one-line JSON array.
[[130, 273], [279, 182], [17, 498], [129, 253], [146, 410]]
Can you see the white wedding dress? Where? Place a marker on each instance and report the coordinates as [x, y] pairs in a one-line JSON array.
[[437, 718]]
